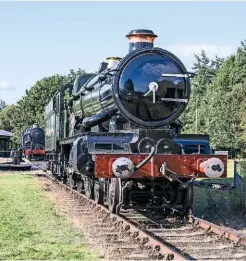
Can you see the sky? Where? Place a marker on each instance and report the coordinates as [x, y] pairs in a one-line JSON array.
[[39, 39]]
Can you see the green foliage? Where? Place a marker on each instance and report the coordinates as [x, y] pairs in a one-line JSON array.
[[6, 118], [219, 207], [217, 106], [223, 207], [196, 113], [223, 123], [238, 195], [30, 108]]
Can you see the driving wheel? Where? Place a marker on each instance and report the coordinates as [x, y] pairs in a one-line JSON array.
[[99, 188], [114, 194], [88, 184]]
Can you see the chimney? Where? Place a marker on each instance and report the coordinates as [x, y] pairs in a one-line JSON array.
[[141, 38]]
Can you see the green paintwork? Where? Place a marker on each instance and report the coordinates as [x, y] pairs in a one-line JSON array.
[[87, 106], [61, 115], [50, 130], [77, 107]]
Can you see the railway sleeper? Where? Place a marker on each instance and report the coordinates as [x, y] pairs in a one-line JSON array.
[[111, 230], [187, 243], [178, 229], [230, 253], [104, 225], [170, 234], [121, 246], [201, 247], [138, 256]]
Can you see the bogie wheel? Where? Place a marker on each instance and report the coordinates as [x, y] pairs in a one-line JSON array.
[[99, 189], [64, 180], [48, 165], [187, 200], [70, 181], [65, 174], [79, 185], [88, 184], [114, 194]]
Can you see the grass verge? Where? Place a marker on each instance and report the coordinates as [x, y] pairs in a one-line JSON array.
[[225, 207], [30, 228]]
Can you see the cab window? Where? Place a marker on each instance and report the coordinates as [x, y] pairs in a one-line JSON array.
[[194, 149]]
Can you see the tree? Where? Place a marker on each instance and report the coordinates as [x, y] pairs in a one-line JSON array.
[[2, 104], [224, 120], [218, 92], [30, 108], [195, 115], [6, 118]]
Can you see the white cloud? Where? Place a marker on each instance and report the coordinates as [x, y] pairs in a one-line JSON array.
[[185, 52], [5, 86]]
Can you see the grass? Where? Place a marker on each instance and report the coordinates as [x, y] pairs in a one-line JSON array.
[[219, 206], [225, 207], [30, 227]]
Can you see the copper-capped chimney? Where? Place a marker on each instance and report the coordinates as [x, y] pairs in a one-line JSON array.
[[141, 38]]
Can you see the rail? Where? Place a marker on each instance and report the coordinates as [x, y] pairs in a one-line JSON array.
[[170, 243]]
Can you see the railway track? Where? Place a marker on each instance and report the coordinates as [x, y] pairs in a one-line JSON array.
[[38, 165], [140, 235]]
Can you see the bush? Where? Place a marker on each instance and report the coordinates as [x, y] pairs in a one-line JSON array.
[[224, 207], [238, 194]]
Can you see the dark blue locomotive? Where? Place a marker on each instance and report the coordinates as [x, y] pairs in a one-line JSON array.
[[32, 142]]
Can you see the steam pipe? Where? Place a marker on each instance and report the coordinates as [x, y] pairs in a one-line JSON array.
[[152, 151], [94, 120]]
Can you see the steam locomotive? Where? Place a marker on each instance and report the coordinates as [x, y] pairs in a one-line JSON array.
[[115, 134], [32, 142]]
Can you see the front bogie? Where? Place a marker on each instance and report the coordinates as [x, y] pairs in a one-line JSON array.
[[116, 193]]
